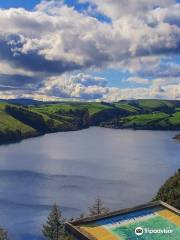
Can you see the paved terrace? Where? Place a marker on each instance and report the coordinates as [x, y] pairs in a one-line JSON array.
[[121, 225]]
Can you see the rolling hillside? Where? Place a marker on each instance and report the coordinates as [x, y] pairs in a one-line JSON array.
[[29, 118]]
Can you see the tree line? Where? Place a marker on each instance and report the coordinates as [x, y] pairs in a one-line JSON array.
[[54, 228]]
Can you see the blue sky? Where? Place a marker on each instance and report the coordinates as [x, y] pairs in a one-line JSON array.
[[28, 4], [31, 4], [89, 49]]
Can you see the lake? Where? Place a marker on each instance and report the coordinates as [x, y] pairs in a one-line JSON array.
[[123, 167]]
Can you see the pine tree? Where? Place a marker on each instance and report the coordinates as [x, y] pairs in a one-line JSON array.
[[98, 208], [54, 228]]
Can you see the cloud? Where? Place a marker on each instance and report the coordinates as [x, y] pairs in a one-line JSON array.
[[80, 86], [56, 89], [87, 87], [117, 8], [13, 53], [48, 50], [68, 40], [137, 80], [163, 70]]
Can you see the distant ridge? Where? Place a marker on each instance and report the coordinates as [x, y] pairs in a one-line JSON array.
[[22, 101], [29, 101], [24, 118]]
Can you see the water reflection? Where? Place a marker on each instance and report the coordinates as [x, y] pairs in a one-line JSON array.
[[123, 167]]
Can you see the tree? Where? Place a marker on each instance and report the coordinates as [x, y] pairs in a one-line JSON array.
[[54, 228], [3, 234], [170, 191], [98, 208]]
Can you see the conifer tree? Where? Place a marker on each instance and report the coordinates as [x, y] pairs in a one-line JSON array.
[[54, 228], [98, 208]]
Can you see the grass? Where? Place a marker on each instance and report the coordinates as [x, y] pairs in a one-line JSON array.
[[154, 104], [127, 107], [56, 123], [94, 108], [54, 108], [66, 116], [9, 123], [143, 119], [63, 107], [175, 119]]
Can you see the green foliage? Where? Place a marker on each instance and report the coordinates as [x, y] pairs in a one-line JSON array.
[[94, 108], [10, 123], [71, 116], [153, 104], [98, 208], [175, 119], [147, 120], [128, 107], [12, 129], [33, 119], [170, 191], [54, 228]]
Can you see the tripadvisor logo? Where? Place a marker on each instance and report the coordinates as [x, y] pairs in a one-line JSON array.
[[139, 231]]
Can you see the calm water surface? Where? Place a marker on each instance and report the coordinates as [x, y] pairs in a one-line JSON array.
[[123, 167]]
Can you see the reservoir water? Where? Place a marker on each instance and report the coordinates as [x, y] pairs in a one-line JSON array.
[[122, 167]]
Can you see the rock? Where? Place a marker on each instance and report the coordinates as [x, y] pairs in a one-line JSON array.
[[177, 137]]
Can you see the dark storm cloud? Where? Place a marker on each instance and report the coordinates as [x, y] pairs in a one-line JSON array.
[[32, 61], [18, 81]]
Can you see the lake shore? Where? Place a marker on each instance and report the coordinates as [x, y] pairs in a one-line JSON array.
[[36, 135]]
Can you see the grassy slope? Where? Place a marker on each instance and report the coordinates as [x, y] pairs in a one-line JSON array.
[[154, 117], [64, 115], [154, 104], [94, 108], [7, 122], [45, 114], [148, 120], [148, 114], [63, 109], [175, 119], [139, 114], [127, 107], [54, 108]]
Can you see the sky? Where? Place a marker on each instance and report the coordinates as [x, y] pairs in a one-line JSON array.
[[90, 50]]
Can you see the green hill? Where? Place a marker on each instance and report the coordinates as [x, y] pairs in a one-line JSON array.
[[33, 118], [11, 129]]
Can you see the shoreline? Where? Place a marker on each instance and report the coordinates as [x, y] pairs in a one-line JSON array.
[[14, 141]]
